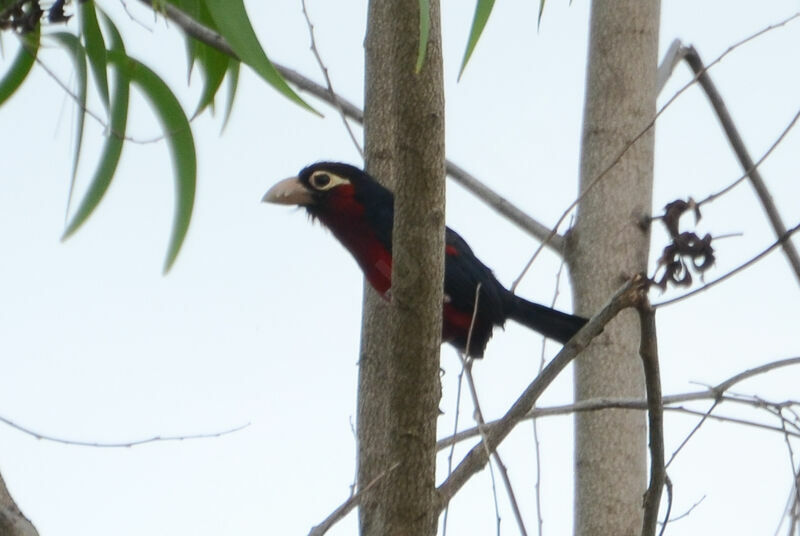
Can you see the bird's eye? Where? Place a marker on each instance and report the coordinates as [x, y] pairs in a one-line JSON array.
[[322, 180]]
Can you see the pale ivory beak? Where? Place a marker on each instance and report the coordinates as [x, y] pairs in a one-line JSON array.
[[288, 192]]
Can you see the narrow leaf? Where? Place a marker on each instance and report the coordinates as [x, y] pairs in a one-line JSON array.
[[112, 148], [424, 32], [233, 84], [482, 11], [234, 25], [191, 56], [541, 12], [78, 54], [21, 65], [179, 139], [95, 47], [214, 65]]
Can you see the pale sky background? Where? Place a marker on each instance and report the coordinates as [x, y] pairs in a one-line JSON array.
[[258, 322]]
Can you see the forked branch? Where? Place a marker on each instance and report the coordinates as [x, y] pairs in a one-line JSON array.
[[478, 456]]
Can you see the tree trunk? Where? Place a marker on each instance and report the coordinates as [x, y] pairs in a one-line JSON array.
[[608, 245], [12, 521], [399, 387]]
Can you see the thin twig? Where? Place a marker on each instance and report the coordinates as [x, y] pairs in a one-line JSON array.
[[495, 201], [467, 367], [333, 96], [626, 147], [623, 405], [133, 18], [794, 496], [92, 114], [497, 518], [668, 483], [688, 512], [453, 446], [694, 430], [348, 505], [748, 172], [712, 393], [122, 444], [537, 447], [785, 237], [537, 486], [477, 458], [466, 364]]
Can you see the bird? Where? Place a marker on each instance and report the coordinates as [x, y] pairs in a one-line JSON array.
[[359, 211]]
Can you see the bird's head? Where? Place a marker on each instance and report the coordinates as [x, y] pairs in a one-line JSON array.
[[326, 188], [353, 205]]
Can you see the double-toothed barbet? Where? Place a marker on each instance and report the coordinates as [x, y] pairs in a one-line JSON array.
[[359, 211]]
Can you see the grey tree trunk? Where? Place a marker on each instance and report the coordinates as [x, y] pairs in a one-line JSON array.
[[607, 245], [399, 388]]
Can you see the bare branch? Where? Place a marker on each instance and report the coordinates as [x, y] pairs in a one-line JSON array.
[[674, 54], [668, 484], [477, 457], [125, 444], [549, 238], [648, 351], [693, 59], [711, 393], [195, 29], [626, 147], [466, 364], [515, 215], [783, 238], [211, 38]]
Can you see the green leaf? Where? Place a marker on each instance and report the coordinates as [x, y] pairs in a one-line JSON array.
[[234, 25], [78, 54], [21, 65], [482, 11], [233, 84], [541, 12], [424, 32], [112, 148], [214, 65], [95, 47], [191, 56], [179, 139]]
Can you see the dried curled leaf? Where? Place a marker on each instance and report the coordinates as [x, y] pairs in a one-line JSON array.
[[687, 252], [673, 212]]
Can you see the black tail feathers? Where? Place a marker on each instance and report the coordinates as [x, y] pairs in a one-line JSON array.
[[549, 322]]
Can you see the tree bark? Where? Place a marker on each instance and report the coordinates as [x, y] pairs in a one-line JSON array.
[[609, 244], [12, 520], [399, 386]]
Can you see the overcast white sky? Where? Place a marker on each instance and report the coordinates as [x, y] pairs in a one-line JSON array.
[[258, 322]]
